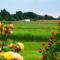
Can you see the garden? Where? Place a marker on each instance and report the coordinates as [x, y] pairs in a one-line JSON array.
[[35, 40]]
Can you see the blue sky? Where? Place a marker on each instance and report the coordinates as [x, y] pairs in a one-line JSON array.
[[51, 7]]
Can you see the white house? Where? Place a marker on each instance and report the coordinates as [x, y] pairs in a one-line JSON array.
[[26, 20]]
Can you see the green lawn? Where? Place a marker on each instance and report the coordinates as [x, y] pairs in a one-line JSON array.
[[31, 52], [34, 30], [31, 34]]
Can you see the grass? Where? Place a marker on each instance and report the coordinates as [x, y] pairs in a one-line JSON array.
[[31, 51], [32, 34], [34, 30]]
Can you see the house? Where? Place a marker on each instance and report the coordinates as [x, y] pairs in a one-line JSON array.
[[26, 20]]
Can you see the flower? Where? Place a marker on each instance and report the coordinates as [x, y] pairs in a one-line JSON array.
[[2, 53], [12, 55], [11, 26], [12, 45], [46, 49], [17, 47], [11, 32], [40, 50], [45, 55], [20, 46], [6, 30], [58, 23], [1, 24], [43, 58], [49, 42]]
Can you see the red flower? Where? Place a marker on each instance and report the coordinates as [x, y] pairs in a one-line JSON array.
[[6, 31], [49, 42], [43, 58], [40, 50], [46, 49], [45, 55], [58, 23]]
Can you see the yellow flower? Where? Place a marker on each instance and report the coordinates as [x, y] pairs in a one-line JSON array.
[[21, 45], [8, 55], [12, 45], [11, 32], [0, 24], [2, 53], [11, 26], [12, 55]]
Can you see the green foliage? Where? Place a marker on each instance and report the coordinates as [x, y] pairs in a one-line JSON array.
[[19, 15]]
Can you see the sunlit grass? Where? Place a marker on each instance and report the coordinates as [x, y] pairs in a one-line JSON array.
[[32, 35]]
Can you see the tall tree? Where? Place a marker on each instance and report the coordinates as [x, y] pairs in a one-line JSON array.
[[5, 14], [18, 15], [59, 17], [29, 15]]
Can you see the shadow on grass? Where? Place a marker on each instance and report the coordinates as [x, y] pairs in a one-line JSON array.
[[29, 37]]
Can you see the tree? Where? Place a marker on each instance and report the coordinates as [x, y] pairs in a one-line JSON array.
[[29, 15], [48, 17], [5, 14], [59, 17], [18, 15]]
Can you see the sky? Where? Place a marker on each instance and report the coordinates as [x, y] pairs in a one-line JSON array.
[[41, 7]]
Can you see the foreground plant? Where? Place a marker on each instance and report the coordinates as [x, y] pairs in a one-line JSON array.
[[17, 47], [9, 52], [10, 56], [5, 32], [53, 46]]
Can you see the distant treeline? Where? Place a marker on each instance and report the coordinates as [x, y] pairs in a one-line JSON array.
[[19, 15]]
